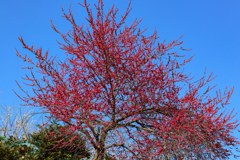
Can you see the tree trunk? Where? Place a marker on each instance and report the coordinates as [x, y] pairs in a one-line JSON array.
[[98, 155]]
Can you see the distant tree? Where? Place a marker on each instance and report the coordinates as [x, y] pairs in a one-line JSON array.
[[111, 84], [15, 128], [45, 144], [15, 123]]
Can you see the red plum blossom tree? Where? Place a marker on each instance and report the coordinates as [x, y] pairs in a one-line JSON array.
[[116, 89]]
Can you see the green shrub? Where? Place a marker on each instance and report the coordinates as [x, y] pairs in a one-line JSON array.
[[44, 145], [12, 149]]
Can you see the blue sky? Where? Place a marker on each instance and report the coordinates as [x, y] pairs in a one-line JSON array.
[[211, 28]]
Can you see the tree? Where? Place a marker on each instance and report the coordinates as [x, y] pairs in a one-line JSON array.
[[15, 130], [44, 144], [17, 125], [115, 88]]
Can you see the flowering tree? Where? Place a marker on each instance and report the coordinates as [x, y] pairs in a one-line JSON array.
[[115, 89]]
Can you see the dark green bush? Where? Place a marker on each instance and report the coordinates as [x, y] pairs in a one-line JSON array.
[[42, 141], [12, 149]]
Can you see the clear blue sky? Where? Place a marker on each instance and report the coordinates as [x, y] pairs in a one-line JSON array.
[[212, 30]]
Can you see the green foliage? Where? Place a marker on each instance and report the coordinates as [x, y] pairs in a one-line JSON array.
[[40, 145], [12, 149], [44, 144]]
